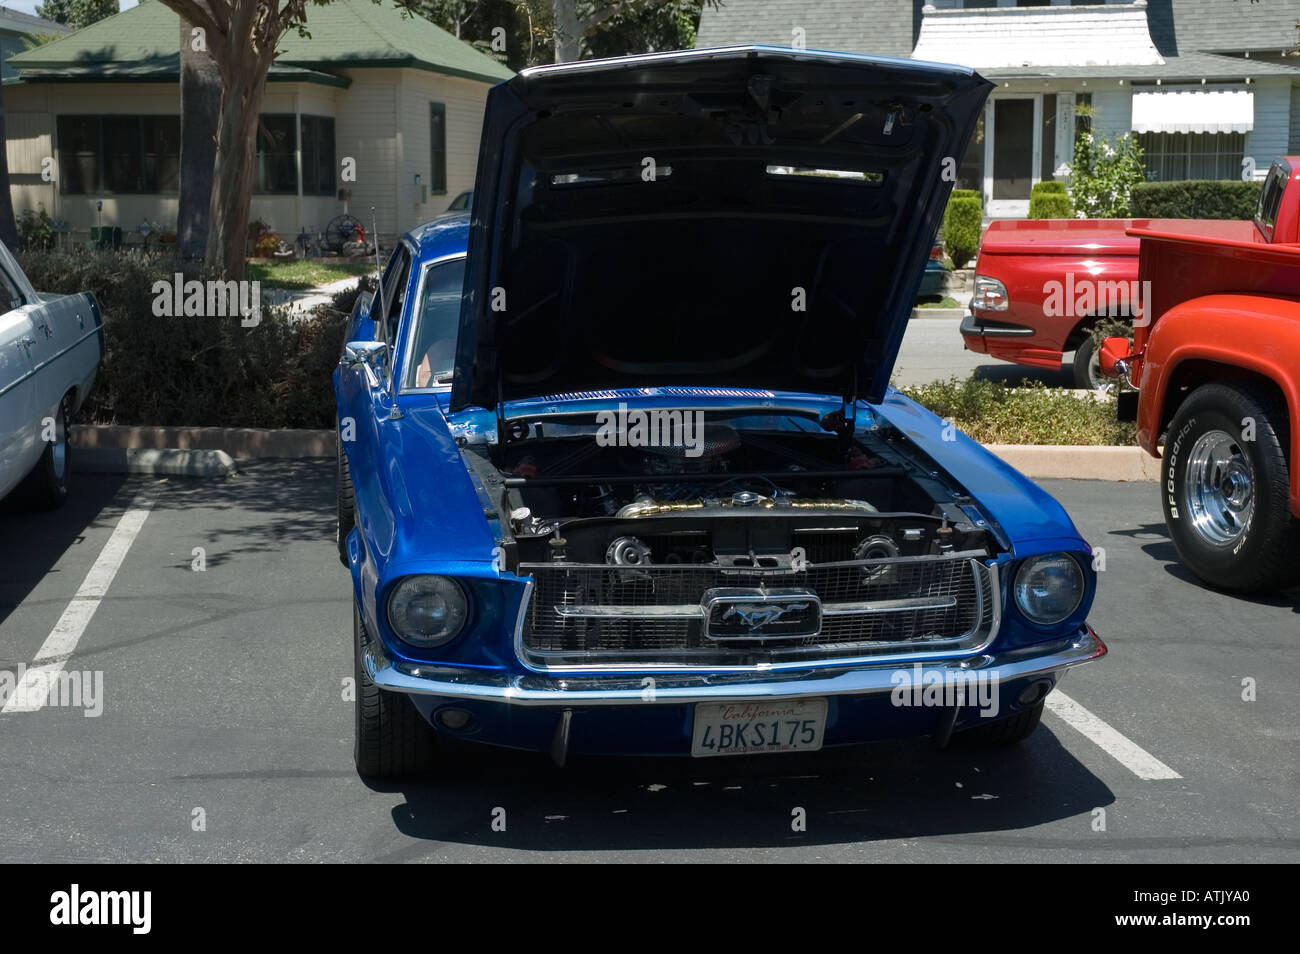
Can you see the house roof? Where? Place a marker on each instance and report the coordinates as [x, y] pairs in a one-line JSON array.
[[15, 21], [884, 27], [1003, 37], [1185, 34], [1185, 26], [142, 44]]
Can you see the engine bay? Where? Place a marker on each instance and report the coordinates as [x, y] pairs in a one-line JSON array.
[[733, 497]]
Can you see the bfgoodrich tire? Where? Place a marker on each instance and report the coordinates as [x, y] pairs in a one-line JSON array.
[[46, 487], [1226, 495], [347, 505], [392, 739]]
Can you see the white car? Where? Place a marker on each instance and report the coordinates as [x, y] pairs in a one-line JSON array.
[[50, 348]]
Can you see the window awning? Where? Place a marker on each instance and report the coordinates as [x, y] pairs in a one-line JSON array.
[[1199, 111]]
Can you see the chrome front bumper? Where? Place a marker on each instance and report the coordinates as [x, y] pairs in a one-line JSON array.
[[571, 691]]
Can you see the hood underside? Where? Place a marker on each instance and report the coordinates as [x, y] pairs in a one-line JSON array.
[[749, 217]]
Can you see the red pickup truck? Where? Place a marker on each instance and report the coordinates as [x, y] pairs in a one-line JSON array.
[[1217, 367], [1041, 285]]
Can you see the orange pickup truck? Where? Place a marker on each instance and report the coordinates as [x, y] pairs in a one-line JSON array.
[[1217, 367]]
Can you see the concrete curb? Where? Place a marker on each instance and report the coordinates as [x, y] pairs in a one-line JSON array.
[[1081, 463], [938, 313], [122, 449], [238, 442], [174, 463]]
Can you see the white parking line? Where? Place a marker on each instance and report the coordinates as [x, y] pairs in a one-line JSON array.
[[32, 691], [1118, 746]]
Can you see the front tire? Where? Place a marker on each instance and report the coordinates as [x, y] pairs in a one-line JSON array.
[[1227, 497], [1003, 732], [392, 739], [347, 505], [1087, 367], [46, 487]]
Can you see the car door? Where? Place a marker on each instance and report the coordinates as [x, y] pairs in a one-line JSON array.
[[20, 445]]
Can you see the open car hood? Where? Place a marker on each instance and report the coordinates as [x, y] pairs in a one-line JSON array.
[[744, 217]]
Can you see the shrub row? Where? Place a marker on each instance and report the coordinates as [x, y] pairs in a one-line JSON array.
[[960, 231], [1194, 199], [197, 371], [1049, 200]]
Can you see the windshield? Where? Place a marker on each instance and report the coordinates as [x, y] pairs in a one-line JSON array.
[[433, 335]]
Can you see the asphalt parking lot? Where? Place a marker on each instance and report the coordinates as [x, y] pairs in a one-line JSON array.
[[933, 350], [224, 735]]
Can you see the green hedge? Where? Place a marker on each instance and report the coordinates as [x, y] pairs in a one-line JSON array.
[[1195, 199], [197, 371], [961, 226], [1049, 200]]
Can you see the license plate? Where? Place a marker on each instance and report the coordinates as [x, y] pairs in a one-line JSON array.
[[748, 728]]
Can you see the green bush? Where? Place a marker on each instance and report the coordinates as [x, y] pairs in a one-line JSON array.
[[1195, 199], [993, 413], [198, 371], [961, 226], [36, 229], [1048, 200]]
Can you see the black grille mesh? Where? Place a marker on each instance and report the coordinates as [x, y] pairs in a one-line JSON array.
[[548, 633]]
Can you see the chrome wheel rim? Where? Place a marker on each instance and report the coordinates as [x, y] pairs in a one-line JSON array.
[[1220, 488]]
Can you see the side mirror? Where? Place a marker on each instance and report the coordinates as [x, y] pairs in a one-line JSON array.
[[370, 356]]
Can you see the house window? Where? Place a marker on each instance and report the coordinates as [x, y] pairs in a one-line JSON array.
[[438, 146], [119, 154], [277, 166], [1171, 156], [317, 136]]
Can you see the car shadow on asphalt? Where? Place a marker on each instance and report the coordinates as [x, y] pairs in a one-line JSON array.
[[1164, 551], [33, 541], [882, 791], [1018, 375]]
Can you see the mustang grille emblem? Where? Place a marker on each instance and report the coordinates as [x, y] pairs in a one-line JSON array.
[[761, 614]]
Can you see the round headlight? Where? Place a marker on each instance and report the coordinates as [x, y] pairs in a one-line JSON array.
[[1049, 588], [427, 611]]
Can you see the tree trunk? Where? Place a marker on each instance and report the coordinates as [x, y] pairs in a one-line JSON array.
[[200, 107], [8, 226], [232, 172], [568, 43]]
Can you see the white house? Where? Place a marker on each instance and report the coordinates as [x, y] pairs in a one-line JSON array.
[[95, 117], [1205, 84]]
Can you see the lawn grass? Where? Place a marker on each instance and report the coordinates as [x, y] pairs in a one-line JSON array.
[[300, 274], [993, 413], [946, 302]]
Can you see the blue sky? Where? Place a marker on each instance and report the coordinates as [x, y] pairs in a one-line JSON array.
[[29, 6]]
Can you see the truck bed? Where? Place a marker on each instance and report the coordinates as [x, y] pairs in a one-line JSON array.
[[1101, 236]]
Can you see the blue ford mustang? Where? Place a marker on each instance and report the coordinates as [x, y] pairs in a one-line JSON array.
[[620, 471]]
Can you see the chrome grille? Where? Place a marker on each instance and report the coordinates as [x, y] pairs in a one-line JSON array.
[[594, 614]]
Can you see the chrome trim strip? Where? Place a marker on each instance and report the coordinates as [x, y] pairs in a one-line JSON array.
[[694, 611], [31, 373], [538, 691], [908, 605]]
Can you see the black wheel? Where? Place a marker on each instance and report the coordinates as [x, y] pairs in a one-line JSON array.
[[392, 739], [1226, 495], [347, 505], [1008, 731], [1087, 366], [46, 487]]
